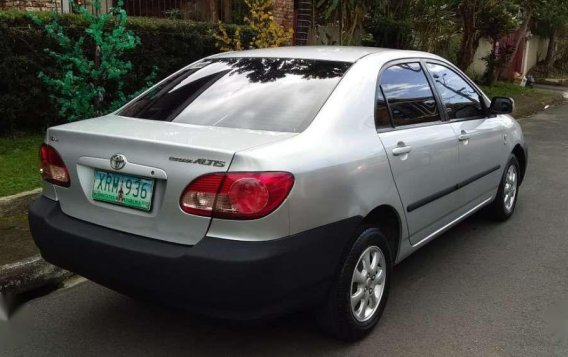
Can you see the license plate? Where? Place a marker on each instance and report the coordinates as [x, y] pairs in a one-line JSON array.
[[124, 190]]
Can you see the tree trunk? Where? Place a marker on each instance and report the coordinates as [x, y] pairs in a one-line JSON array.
[[470, 37], [550, 53], [489, 76], [519, 36]]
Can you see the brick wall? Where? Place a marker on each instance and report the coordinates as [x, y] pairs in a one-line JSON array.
[[29, 5], [283, 11]]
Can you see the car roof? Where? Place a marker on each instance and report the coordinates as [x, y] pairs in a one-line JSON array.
[[328, 53]]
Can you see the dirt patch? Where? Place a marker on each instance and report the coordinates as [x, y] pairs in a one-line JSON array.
[[526, 105]]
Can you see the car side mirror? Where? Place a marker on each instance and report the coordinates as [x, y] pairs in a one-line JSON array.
[[502, 105]]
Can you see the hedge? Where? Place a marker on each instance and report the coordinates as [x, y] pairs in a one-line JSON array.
[[24, 103]]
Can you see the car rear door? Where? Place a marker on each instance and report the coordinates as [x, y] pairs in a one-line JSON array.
[[422, 148], [480, 136]]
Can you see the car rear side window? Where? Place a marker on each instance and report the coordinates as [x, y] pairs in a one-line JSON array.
[[249, 93], [459, 98], [409, 94], [382, 115]]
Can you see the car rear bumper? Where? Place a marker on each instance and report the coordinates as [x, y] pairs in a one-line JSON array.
[[217, 277]]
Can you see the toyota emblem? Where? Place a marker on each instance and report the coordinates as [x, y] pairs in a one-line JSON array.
[[117, 161]]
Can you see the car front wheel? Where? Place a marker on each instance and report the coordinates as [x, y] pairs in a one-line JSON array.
[[358, 297], [504, 204]]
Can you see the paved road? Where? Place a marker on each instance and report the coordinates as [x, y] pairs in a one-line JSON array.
[[483, 289], [564, 90]]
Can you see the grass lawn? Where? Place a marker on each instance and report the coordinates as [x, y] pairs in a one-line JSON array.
[[527, 100], [19, 164], [501, 89]]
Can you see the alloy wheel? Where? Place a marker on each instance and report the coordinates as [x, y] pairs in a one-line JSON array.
[[368, 283], [510, 190]]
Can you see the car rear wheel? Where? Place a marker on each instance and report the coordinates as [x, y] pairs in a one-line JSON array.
[[358, 297], [503, 207]]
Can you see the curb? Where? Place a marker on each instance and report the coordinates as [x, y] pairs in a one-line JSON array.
[[548, 82], [30, 274], [28, 279], [18, 203]]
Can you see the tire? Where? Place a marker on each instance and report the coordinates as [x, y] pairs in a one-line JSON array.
[[336, 316], [502, 208]]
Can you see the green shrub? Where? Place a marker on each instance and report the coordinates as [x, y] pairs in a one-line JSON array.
[[388, 32], [24, 103], [267, 32], [22, 99]]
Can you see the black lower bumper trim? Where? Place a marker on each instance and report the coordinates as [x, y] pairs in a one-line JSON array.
[[223, 278], [423, 202]]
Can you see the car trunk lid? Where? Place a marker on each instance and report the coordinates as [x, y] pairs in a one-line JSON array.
[[170, 155]]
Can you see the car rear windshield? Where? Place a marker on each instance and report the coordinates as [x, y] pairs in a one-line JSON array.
[[249, 93]]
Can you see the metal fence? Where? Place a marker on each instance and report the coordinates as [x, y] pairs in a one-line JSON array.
[[190, 9], [149, 8], [155, 8]]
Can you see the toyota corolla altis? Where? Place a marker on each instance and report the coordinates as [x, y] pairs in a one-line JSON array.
[[251, 183]]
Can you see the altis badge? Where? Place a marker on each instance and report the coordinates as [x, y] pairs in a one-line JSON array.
[[206, 162]]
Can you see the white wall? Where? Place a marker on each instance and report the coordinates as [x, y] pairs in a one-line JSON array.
[[535, 51]]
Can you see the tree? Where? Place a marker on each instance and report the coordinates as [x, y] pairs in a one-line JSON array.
[[498, 19], [529, 8], [492, 19], [350, 14], [434, 24], [551, 21], [88, 79], [386, 29], [469, 11]]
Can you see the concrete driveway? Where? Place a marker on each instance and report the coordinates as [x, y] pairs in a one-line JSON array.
[[483, 289]]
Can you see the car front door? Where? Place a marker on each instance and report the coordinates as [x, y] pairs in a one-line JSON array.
[[481, 137], [422, 149]]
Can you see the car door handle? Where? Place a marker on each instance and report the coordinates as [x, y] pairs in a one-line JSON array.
[[464, 136], [401, 150]]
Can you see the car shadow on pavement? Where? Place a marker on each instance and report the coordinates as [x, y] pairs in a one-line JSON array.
[[93, 314], [151, 325]]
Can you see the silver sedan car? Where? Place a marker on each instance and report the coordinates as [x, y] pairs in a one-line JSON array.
[[248, 184]]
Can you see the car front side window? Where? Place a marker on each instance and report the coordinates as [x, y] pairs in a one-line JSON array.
[[459, 98]]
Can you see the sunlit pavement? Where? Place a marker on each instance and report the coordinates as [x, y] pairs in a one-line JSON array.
[[483, 289]]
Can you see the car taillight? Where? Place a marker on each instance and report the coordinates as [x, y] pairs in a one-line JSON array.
[[236, 195], [52, 168]]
